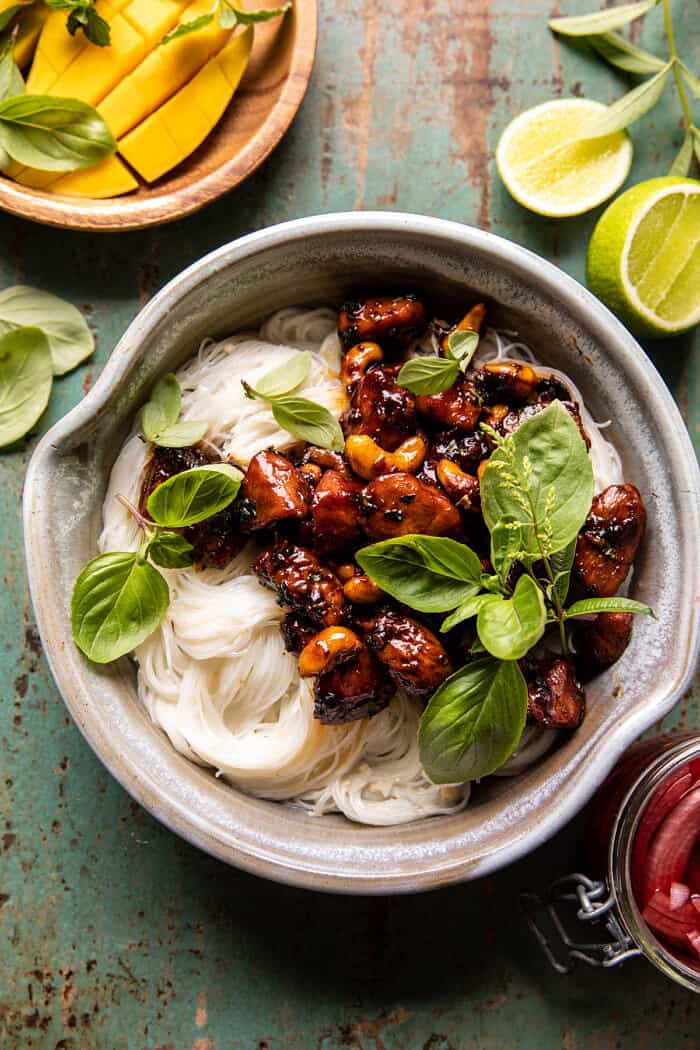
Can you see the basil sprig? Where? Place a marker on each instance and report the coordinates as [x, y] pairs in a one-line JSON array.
[[160, 417], [301, 418], [229, 17], [536, 493], [120, 598], [82, 14], [69, 337], [53, 134], [433, 375]]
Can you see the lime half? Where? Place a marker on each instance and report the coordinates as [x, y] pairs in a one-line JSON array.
[[549, 169], [644, 257]]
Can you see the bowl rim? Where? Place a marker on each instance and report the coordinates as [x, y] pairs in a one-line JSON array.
[[118, 214], [430, 872]]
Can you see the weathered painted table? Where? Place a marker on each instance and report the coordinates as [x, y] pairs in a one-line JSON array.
[[113, 933]]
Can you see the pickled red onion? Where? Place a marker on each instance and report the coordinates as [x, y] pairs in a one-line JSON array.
[[661, 803], [673, 844]]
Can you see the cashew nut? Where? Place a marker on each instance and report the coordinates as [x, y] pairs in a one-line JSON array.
[[360, 590], [326, 649], [471, 322], [369, 460], [518, 379], [481, 468], [357, 361], [346, 571], [462, 488], [495, 414], [325, 459]]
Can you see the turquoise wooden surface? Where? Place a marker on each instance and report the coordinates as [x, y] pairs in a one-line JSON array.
[[115, 935]]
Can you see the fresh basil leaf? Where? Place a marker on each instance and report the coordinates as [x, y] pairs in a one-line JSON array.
[[461, 347], [11, 81], [194, 495], [183, 434], [428, 375], [691, 79], [54, 134], [506, 545], [308, 421], [283, 379], [93, 25], [25, 381], [600, 605], [118, 600], [230, 16], [473, 722], [684, 159], [561, 563], [185, 28], [629, 108], [509, 627], [471, 607], [428, 573], [163, 407], [601, 21], [170, 551], [623, 54], [70, 339], [541, 477]]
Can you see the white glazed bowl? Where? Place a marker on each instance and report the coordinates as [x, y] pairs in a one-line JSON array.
[[322, 260]]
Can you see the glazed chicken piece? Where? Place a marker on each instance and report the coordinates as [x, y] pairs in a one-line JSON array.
[[414, 657], [399, 504], [382, 409], [549, 388], [458, 407], [336, 515], [297, 631], [384, 320], [324, 458], [466, 450], [358, 688], [516, 417], [215, 541], [608, 542], [601, 641], [555, 699], [302, 582], [511, 382], [273, 491]]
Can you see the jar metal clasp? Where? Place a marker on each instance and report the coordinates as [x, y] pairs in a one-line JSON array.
[[576, 898]]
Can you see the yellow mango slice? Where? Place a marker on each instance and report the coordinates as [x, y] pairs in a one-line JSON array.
[[29, 29], [184, 121], [111, 178], [162, 73], [57, 49]]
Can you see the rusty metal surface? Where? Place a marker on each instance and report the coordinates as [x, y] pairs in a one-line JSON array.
[[115, 935]]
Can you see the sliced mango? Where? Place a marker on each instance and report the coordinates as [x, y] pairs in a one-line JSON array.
[[29, 29], [162, 73], [57, 49], [181, 124], [111, 178]]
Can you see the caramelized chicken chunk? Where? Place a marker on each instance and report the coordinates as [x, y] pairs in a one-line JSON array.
[[555, 699], [358, 688], [336, 515], [609, 541], [515, 418], [324, 458], [382, 409], [383, 320], [602, 641], [302, 582], [217, 540], [549, 388], [414, 657], [458, 407], [510, 381], [466, 450], [297, 630], [273, 490], [398, 504]]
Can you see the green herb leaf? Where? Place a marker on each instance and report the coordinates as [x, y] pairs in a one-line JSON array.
[[561, 563], [11, 82], [185, 28], [461, 347], [283, 379], [691, 79], [601, 21], [428, 375], [509, 627], [684, 159], [170, 550], [629, 108], [473, 722], [621, 53], [84, 15], [118, 600], [230, 16], [471, 607], [428, 573], [54, 134], [194, 495], [183, 434], [307, 421], [25, 381], [506, 545], [70, 339], [163, 408], [598, 605], [541, 477], [697, 148]]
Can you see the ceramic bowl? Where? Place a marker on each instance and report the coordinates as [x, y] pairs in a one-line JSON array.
[[322, 260]]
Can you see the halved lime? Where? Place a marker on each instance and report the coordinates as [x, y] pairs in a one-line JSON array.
[[644, 257], [549, 169]]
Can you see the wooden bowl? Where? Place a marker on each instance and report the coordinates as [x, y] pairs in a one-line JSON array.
[[261, 111]]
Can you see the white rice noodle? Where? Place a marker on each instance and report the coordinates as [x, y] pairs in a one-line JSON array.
[[215, 676]]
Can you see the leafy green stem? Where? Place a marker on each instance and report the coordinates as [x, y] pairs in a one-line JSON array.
[[675, 60], [558, 607]]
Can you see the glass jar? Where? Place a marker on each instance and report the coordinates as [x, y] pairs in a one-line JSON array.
[[608, 899]]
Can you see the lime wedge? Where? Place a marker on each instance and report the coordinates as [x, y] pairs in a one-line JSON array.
[[549, 169], [644, 257]]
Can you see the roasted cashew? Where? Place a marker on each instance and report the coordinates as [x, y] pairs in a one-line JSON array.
[[360, 590], [370, 460], [471, 322], [518, 379], [462, 488], [326, 649], [311, 471], [357, 361], [346, 571]]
